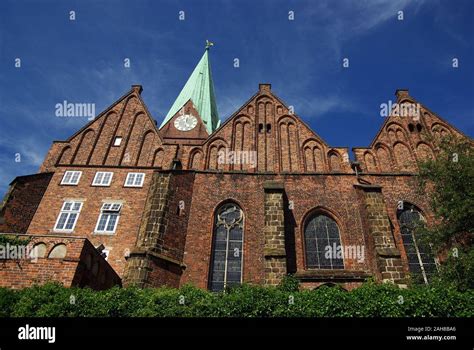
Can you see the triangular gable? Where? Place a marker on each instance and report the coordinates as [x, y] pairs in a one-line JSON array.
[[134, 91], [270, 93], [198, 133], [402, 96]]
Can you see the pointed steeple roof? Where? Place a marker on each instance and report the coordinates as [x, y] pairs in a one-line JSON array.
[[200, 89]]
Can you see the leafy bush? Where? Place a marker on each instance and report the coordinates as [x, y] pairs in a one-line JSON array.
[[14, 240], [8, 299], [369, 300], [448, 183], [289, 283]]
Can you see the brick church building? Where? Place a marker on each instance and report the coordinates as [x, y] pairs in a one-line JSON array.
[[125, 200]]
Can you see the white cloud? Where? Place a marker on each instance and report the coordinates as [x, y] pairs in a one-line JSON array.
[[335, 22], [317, 106]]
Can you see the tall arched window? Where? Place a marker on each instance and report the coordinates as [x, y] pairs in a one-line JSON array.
[[226, 261], [322, 243], [420, 259]]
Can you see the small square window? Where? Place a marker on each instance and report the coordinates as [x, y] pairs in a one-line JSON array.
[[134, 180], [111, 207], [118, 141], [71, 178], [102, 178]]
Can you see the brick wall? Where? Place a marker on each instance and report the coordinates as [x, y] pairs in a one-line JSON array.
[[81, 266], [21, 201], [162, 234], [306, 194], [133, 200], [165, 231], [127, 118], [281, 140], [404, 140]]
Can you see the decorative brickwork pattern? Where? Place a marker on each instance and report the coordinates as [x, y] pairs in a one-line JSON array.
[[164, 235]]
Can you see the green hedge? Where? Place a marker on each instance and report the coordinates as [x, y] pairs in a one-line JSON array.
[[14, 240], [370, 300]]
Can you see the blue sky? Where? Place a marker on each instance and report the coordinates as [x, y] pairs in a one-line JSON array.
[[81, 61]]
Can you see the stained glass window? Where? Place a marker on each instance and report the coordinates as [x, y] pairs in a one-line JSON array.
[[421, 262], [227, 244], [322, 243]]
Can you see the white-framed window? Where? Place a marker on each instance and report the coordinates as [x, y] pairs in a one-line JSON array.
[[102, 178], [71, 178], [117, 141], [108, 218], [134, 180], [68, 216]]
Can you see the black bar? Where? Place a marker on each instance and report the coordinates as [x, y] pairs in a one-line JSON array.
[[97, 332]]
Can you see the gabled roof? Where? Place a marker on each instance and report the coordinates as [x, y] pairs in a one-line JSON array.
[[269, 92], [402, 95], [136, 91], [200, 89]]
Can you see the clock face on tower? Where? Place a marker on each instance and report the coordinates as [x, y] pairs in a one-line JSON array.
[[185, 122]]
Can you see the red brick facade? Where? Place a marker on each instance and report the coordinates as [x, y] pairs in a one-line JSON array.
[[72, 261], [166, 226], [21, 202]]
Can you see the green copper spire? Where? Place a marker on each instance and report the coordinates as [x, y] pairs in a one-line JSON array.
[[200, 89]]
